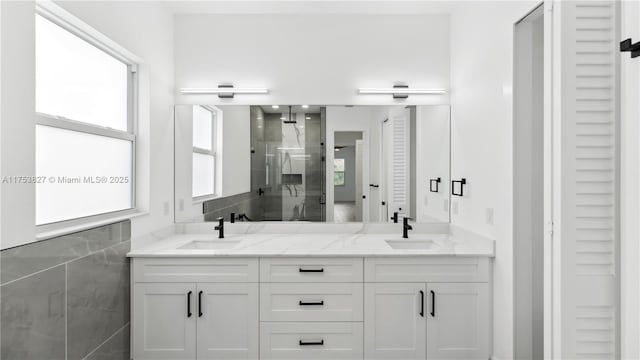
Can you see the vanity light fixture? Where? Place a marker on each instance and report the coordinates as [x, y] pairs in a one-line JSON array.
[[400, 91], [224, 91]]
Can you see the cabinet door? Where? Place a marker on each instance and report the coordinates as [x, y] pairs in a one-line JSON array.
[[395, 321], [458, 325], [227, 320], [164, 323]]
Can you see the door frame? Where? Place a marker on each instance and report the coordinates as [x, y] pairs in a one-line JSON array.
[[629, 180]]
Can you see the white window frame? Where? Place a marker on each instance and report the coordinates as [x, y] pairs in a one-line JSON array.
[[70, 23], [212, 152]]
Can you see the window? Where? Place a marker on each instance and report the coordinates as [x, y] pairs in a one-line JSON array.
[[338, 172], [85, 131], [204, 155]]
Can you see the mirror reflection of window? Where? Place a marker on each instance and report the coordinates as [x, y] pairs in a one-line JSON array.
[[204, 156]]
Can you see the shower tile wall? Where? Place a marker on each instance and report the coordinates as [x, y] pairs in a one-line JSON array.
[[67, 297], [279, 149]]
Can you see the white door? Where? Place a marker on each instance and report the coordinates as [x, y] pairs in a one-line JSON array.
[[359, 185], [458, 325], [227, 320], [386, 165], [164, 323], [395, 321], [398, 171]]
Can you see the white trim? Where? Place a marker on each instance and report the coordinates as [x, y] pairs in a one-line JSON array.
[[629, 180], [71, 226], [548, 275], [78, 27], [78, 126]]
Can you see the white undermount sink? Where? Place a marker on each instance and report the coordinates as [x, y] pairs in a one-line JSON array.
[[417, 244], [210, 244]]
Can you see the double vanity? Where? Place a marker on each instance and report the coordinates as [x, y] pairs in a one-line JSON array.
[[313, 291]]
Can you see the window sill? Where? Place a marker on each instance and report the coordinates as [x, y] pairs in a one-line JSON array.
[[49, 231]]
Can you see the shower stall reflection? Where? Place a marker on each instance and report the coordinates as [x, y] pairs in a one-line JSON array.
[[287, 162]]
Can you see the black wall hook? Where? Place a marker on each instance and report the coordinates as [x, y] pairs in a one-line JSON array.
[[462, 182], [628, 46]]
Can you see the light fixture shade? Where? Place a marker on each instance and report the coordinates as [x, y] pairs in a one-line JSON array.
[[223, 90], [410, 91]]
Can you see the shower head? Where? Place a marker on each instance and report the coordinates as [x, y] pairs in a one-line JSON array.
[[289, 121]]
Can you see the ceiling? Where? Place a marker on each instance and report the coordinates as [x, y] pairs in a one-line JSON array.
[[312, 109]]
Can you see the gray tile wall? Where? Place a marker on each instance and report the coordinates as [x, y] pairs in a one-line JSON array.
[[247, 203], [68, 297]]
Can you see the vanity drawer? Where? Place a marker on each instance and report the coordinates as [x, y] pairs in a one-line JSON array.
[[195, 270], [427, 269], [307, 270], [311, 302], [329, 340]]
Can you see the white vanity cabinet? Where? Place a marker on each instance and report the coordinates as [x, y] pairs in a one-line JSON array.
[[345, 308], [206, 315], [445, 316]]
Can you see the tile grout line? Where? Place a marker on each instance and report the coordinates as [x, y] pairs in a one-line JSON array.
[[66, 312], [62, 263], [109, 338]]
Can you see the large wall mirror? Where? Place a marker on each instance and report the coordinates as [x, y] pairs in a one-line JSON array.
[[312, 163]]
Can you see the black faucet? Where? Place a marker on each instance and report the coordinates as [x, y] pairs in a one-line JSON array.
[[232, 217], [406, 227], [395, 217], [220, 228]]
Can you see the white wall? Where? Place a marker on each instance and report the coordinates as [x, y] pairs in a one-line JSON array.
[[481, 105], [432, 162], [315, 59], [143, 28], [236, 153], [17, 145]]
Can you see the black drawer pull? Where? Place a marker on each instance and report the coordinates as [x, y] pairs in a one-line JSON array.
[[311, 303], [421, 303], [189, 304], [307, 343], [200, 304], [433, 304], [311, 270]]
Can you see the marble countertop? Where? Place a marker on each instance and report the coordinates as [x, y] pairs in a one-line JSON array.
[[314, 240]]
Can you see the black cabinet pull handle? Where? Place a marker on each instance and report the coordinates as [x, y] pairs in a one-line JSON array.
[[200, 304], [311, 303], [189, 304], [311, 270], [433, 304], [306, 343], [421, 303]]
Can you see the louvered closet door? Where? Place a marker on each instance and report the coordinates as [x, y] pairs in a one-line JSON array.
[[398, 184], [587, 224]]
